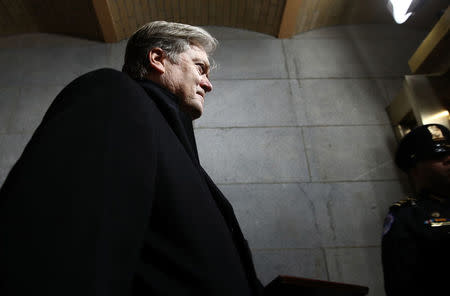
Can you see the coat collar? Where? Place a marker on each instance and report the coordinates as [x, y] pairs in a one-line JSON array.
[[179, 121]]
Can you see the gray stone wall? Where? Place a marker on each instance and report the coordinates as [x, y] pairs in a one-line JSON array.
[[295, 133]]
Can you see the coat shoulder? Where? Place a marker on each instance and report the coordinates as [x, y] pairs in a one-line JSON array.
[[404, 203], [397, 212], [98, 89], [113, 79]]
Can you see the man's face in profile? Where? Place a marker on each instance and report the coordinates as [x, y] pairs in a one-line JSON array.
[[188, 79]]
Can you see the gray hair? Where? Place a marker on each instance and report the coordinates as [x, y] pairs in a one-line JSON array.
[[173, 38]]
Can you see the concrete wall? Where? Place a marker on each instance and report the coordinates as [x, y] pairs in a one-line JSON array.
[[295, 134]]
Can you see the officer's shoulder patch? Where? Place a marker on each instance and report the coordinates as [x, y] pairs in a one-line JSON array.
[[388, 223], [407, 202]]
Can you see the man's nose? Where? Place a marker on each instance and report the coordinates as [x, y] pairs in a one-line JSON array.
[[206, 85]]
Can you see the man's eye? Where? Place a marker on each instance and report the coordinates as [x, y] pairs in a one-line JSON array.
[[200, 68]]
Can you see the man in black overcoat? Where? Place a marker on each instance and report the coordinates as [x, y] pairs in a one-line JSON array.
[[416, 237], [109, 197]]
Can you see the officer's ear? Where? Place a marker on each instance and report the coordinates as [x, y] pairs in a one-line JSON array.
[[418, 175], [413, 172], [157, 60]]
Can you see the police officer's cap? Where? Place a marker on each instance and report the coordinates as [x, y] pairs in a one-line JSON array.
[[423, 142]]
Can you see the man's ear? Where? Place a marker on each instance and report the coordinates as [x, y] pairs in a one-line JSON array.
[[157, 60]]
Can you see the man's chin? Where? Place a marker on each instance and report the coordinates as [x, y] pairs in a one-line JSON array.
[[194, 111], [195, 114], [193, 107]]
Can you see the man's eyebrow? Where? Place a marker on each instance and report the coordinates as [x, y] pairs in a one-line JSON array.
[[205, 63]]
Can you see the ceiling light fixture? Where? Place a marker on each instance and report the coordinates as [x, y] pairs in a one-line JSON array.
[[401, 10]]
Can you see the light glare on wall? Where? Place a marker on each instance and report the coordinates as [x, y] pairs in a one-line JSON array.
[[400, 9], [438, 116]]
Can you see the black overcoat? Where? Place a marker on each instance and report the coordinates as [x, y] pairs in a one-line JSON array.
[[109, 198]]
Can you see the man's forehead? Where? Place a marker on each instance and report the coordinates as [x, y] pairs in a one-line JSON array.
[[197, 52]]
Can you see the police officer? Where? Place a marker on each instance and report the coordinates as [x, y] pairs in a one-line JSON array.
[[416, 235]]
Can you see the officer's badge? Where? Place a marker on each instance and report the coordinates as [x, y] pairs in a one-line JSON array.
[[388, 223], [435, 215], [436, 133]]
